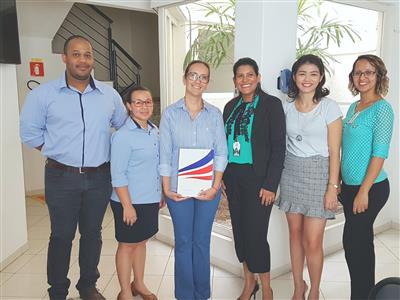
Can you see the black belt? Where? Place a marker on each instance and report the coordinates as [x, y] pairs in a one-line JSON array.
[[51, 163]]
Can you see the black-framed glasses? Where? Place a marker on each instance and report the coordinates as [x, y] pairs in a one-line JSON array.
[[194, 77], [140, 103], [366, 73]]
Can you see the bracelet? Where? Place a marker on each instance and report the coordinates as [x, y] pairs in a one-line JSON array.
[[334, 185]]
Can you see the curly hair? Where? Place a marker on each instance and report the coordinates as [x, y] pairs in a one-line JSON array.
[[320, 90], [382, 80]]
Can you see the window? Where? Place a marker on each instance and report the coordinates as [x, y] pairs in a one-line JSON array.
[[367, 23]]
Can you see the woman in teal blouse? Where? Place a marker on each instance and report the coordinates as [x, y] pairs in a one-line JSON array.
[[367, 131]]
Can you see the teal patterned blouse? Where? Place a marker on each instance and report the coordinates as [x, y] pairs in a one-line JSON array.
[[366, 134], [244, 136]]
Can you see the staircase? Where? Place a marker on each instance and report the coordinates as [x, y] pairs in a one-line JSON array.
[[112, 61]]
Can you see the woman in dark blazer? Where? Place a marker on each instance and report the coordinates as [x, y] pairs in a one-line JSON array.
[[256, 134]]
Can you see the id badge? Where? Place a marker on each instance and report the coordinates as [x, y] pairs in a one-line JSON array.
[[236, 149]]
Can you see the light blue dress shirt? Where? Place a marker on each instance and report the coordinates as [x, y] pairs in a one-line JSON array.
[[135, 158], [73, 127], [178, 130]]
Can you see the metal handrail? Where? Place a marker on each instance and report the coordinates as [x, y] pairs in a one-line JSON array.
[[90, 17], [79, 29], [128, 87], [88, 25], [109, 20], [115, 43], [125, 64], [123, 68]]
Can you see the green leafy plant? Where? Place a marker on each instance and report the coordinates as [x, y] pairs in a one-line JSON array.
[[215, 41], [315, 39]]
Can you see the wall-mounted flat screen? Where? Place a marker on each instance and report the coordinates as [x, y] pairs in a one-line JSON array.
[[9, 41]]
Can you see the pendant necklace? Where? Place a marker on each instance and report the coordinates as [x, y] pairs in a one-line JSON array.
[[299, 137], [353, 117], [306, 117]]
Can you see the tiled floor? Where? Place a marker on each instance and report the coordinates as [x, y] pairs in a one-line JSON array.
[[25, 278]]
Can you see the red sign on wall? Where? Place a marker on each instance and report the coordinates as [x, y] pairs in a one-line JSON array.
[[36, 68]]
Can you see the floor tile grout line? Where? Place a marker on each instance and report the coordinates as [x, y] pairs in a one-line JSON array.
[[12, 274], [388, 248]]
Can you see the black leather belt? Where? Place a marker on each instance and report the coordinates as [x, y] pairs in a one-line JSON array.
[[51, 163]]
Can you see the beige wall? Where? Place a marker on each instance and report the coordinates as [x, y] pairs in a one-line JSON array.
[[137, 32]]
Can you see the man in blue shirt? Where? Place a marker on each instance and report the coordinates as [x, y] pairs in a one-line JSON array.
[[69, 121]]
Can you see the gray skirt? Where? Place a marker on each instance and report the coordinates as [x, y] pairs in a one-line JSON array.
[[303, 186]]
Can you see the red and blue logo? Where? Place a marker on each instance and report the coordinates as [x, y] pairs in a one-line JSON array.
[[201, 169]]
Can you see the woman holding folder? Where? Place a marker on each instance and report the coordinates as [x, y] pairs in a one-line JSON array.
[[195, 124]]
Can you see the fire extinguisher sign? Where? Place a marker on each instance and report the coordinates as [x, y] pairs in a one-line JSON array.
[[36, 67]]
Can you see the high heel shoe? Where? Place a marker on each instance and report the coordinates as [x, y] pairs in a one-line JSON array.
[[135, 292], [254, 292]]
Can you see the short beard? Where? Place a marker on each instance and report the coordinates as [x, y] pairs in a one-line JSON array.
[[81, 78]]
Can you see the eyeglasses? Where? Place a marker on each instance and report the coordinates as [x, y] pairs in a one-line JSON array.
[[194, 77], [366, 73], [139, 103]]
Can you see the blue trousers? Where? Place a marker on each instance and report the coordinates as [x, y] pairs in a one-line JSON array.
[[193, 220], [72, 200]]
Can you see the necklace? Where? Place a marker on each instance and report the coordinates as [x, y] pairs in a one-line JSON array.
[[299, 137], [305, 115], [353, 117]]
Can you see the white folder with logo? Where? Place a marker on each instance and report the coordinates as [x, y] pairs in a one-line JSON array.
[[195, 171]]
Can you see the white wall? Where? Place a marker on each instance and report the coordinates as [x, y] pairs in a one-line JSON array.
[[259, 36], [35, 42], [390, 55], [35, 47], [13, 232], [143, 5]]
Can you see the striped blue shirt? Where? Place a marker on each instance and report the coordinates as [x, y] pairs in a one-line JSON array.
[[134, 162], [178, 130], [73, 127]]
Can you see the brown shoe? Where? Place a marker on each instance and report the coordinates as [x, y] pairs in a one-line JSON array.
[[135, 292], [90, 293]]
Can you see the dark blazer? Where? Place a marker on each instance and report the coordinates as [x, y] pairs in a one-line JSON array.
[[268, 138]]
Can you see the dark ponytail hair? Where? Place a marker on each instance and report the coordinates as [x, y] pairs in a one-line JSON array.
[[247, 61]]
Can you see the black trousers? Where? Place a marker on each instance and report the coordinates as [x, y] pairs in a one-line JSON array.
[[249, 218], [358, 236], [72, 200]]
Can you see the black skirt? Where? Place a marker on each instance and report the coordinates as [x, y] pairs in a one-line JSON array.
[[145, 226]]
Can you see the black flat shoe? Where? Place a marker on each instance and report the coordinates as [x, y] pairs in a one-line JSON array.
[[254, 292]]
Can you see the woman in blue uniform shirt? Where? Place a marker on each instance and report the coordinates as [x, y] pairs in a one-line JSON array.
[[137, 191]]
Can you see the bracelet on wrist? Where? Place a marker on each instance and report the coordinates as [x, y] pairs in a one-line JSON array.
[[215, 189], [334, 185]]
